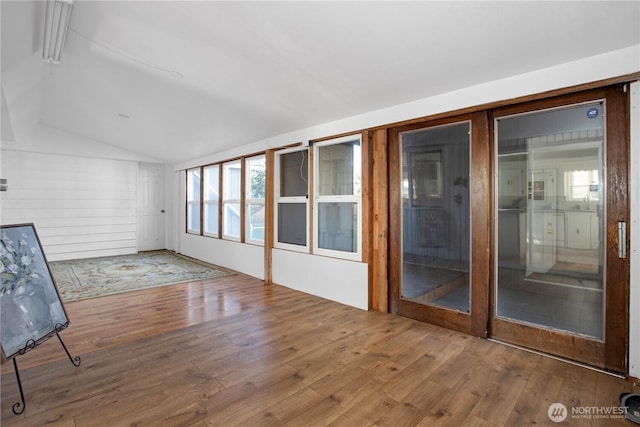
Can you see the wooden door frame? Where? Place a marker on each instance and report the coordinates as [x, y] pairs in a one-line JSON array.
[[476, 321], [612, 352]]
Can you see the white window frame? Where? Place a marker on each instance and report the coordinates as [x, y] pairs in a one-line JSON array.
[[353, 198], [249, 201], [227, 201], [206, 202], [290, 199], [193, 200]]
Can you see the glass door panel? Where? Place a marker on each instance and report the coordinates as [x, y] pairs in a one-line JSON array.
[[435, 223], [550, 219]]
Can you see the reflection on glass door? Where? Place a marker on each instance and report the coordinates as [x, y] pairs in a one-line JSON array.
[[550, 224], [435, 266]]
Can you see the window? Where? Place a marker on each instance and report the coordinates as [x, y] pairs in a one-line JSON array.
[[292, 193], [193, 200], [337, 213], [582, 185], [211, 197], [231, 199], [254, 199]]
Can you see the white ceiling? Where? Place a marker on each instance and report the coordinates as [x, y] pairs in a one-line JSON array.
[[177, 80]]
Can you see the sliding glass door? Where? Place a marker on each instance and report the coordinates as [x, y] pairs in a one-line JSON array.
[[551, 219], [433, 198], [511, 223], [557, 286]]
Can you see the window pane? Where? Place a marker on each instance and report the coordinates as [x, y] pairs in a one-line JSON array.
[[255, 193], [337, 226], [193, 200], [255, 218], [231, 180], [231, 174], [582, 185], [211, 218], [231, 219], [193, 184], [211, 182], [193, 217], [339, 166], [292, 223], [255, 177], [294, 171], [211, 196]]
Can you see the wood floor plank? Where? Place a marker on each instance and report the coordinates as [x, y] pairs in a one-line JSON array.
[[426, 395], [531, 405], [451, 410], [256, 373], [368, 412], [262, 397], [285, 410], [231, 351], [416, 373]]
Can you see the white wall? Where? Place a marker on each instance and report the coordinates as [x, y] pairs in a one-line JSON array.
[[247, 259], [81, 207], [171, 195], [634, 227], [334, 279]]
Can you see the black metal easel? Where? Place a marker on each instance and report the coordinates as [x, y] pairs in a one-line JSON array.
[[19, 407]]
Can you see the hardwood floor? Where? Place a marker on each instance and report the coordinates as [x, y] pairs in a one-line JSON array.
[[231, 351]]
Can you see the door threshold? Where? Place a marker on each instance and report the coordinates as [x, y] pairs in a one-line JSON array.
[[562, 359]]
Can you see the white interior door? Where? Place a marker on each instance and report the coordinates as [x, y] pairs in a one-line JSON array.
[[151, 209]]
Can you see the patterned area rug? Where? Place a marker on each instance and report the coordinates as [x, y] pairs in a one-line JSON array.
[[95, 277]]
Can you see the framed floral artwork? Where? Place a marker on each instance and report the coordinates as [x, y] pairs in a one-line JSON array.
[[31, 309]]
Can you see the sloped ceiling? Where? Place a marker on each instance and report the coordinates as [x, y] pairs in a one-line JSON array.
[[177, 80]]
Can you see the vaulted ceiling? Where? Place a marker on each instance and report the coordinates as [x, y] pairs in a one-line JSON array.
[[176, 80]]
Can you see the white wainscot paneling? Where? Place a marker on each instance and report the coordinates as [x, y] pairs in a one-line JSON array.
[[337, 280], [241, 257], [81, 207]]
